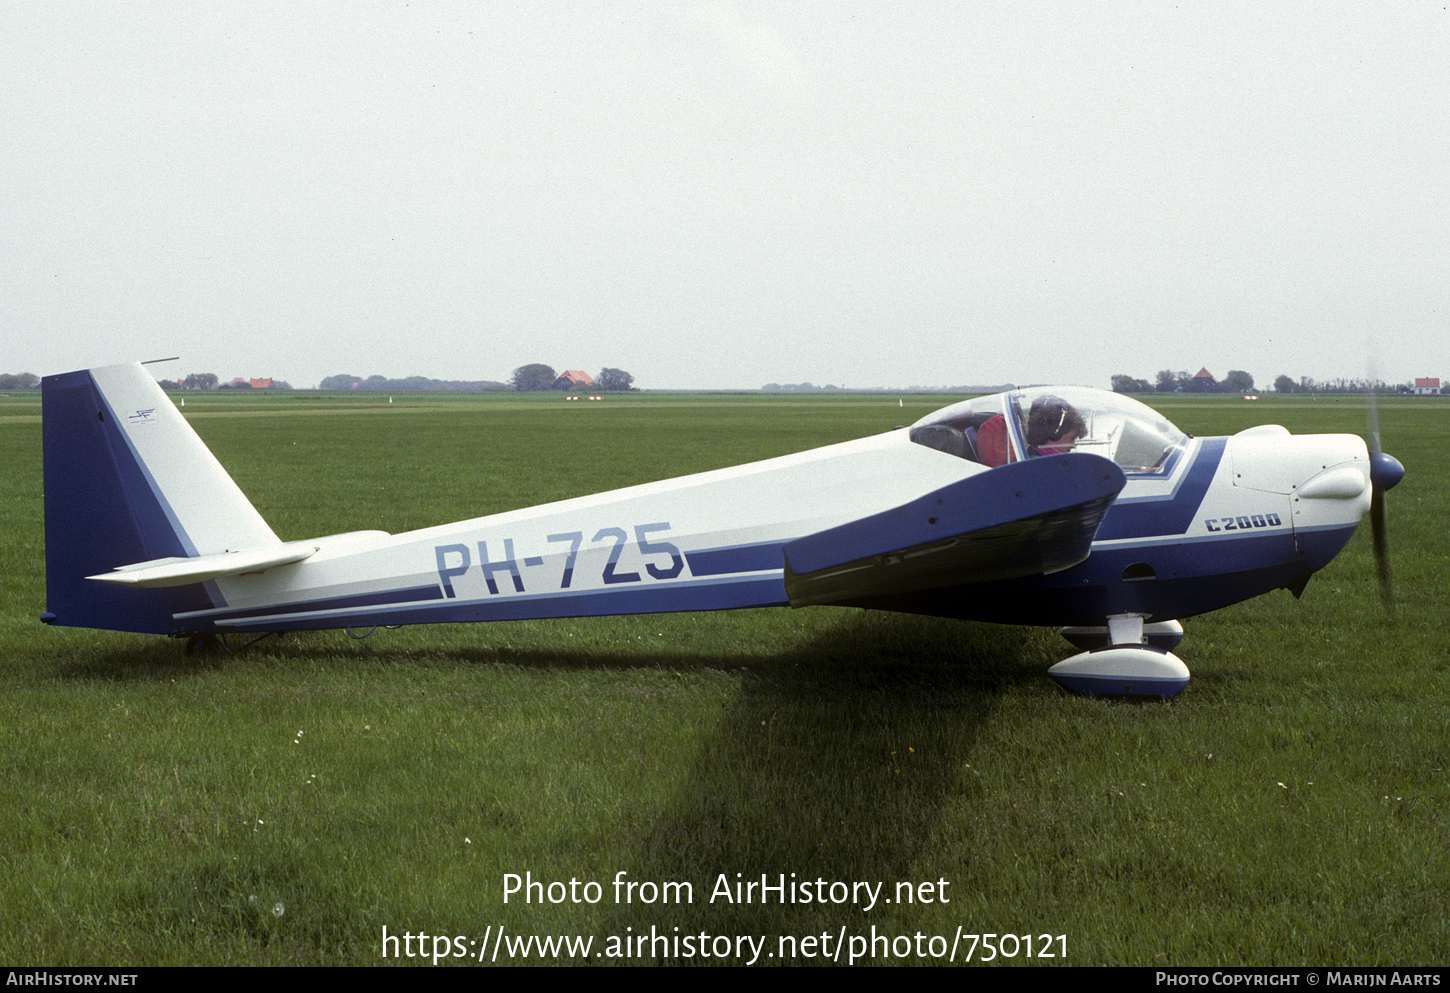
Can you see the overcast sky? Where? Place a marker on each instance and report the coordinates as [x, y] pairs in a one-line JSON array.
[[725, 194]]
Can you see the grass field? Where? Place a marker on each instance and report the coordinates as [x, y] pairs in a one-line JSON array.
[[285, 805]]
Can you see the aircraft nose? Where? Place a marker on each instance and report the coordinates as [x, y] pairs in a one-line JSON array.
[[1385, 471]]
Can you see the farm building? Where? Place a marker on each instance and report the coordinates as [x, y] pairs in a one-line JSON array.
[[573, 379]]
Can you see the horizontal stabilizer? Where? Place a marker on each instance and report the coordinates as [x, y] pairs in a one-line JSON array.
[[178, 570], [1022, 519]]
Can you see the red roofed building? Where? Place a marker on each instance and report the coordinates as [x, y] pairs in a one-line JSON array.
[[1427, 385], [573, 379]]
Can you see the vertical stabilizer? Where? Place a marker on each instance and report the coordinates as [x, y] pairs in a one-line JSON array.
[[127, 480]]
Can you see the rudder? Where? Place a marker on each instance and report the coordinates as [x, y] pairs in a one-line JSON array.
[[127, 480]]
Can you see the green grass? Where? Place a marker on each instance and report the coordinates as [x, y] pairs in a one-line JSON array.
[[1288, 808]]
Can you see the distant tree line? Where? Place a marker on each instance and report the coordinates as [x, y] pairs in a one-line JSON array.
[[18, 380], [537, 376], [797, 388], [1240, 382], [977, 389], [1182, 381], [614, 380], [209, 381], [1307, 384], [196, 381], [243, 384], [343, 381]]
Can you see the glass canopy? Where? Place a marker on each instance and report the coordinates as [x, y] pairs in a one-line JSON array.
[[1009, 427]]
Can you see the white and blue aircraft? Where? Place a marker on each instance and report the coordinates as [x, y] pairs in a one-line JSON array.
[[1115, 528]]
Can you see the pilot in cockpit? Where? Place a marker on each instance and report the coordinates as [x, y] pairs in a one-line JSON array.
[[1053, 426], [1003, 428]]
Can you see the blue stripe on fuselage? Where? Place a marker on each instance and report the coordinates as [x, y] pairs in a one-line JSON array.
[[354, 601], [711, 594], [1171, 513], [735, 559], [725, 577]]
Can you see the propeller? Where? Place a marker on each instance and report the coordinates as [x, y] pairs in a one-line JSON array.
[[1385, 472]]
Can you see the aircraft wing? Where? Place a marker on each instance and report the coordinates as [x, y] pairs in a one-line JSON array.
[[1022, 519]]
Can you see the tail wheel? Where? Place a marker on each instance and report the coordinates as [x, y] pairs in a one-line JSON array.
[[203, 644]]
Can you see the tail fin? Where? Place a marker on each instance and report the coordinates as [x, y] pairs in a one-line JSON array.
[[128, 481]]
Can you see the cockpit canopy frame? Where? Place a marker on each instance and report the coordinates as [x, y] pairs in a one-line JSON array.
[[994, 429]]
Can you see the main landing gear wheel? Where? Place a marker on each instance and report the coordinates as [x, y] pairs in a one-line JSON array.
[[203, 644], [1130, 659]]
